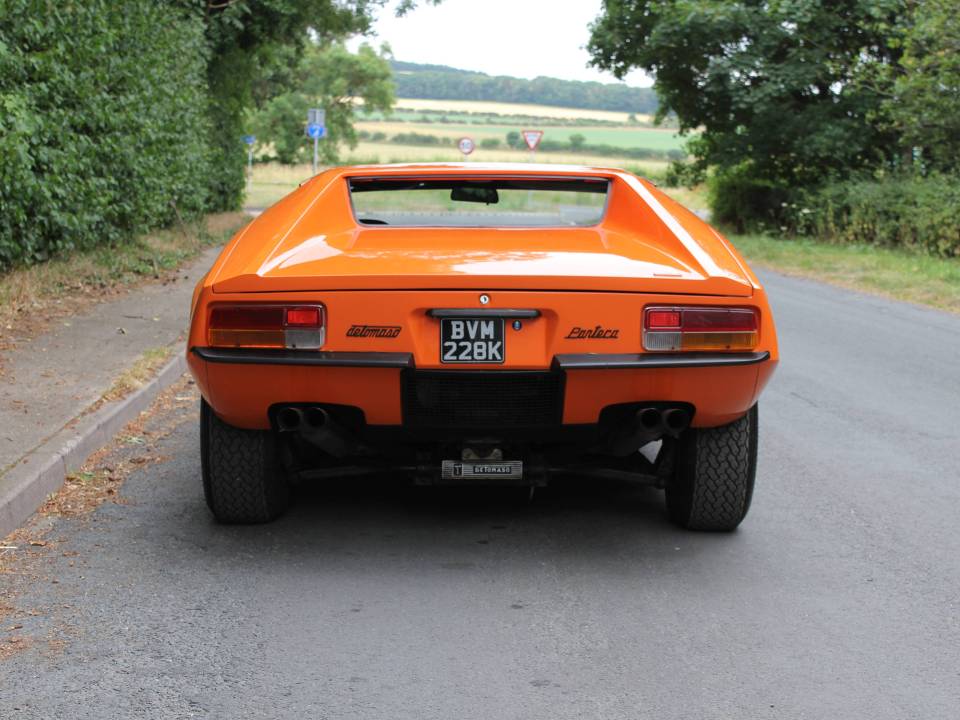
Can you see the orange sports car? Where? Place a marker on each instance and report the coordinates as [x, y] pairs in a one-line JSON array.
[[491, 324]]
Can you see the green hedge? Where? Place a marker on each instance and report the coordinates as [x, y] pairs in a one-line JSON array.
[[104, 129], [739, 199], [918, 213]]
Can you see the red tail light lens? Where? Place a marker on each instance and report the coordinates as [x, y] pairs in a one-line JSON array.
[[663, 319], [719, 320], [303, 317], [267, 326], [668, 329]]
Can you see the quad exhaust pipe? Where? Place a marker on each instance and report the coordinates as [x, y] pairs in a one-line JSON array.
[[317, 427], [649, 424], [671, 421]]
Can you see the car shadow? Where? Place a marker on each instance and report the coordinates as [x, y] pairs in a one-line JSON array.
[[573, 520]]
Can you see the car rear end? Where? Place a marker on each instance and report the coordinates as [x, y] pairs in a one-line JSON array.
[[481, 352]]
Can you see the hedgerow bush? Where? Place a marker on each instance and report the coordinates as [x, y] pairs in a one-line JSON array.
[[104, 129], [908, 211], [738, 198], [415, 138]]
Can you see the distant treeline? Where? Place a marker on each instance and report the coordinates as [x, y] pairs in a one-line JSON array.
[[439, 82]]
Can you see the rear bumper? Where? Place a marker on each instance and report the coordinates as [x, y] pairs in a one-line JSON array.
[[584, 361], [243, 385], [308, 358]]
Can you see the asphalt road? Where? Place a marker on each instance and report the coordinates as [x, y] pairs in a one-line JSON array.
[[837, 598]]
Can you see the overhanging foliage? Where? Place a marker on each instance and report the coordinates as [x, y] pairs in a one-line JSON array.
[[103, 123]]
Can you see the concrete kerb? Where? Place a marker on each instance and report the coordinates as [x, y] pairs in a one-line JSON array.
[[25, 487]]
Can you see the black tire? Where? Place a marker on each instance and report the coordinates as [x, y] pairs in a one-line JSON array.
[[715, 472], [242, 478]]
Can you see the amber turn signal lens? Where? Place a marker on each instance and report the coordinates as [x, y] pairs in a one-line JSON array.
[[717, 329]]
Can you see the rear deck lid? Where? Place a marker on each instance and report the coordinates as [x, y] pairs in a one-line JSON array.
[[590, 233]]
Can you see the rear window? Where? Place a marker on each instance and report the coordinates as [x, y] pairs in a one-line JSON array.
[[479, 202]]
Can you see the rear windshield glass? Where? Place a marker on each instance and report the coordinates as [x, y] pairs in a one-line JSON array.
[[479, 202]]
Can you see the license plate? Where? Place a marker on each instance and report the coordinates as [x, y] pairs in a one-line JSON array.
[[482, 470], [471, 340]]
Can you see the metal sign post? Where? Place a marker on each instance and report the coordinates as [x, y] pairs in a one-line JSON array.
[[316, 129], [249, 140]]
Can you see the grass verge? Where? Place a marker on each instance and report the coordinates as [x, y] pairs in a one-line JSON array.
[[32, 296], [892, 273], [139, 375]]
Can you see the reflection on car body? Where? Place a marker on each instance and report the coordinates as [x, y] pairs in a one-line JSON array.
[[486, 324]]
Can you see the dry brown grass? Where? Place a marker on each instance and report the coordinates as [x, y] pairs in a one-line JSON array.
[[33, 296], [142, 371]]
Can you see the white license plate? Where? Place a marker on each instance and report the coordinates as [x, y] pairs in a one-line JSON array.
[[471, 340]]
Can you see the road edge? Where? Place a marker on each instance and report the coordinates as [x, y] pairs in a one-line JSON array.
[[25, 487]]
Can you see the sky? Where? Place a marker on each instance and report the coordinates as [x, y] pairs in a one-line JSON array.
[[522, 38]]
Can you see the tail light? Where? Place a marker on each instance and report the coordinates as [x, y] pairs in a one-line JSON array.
[[699, 328], [267, 326]]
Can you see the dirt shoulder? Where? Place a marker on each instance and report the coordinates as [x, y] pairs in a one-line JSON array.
[[34, 299]]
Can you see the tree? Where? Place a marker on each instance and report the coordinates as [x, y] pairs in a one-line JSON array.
[[244, 38], [925, 102], [577, 141], [330, 77], [774, 86], [513, 139], [104, 127]]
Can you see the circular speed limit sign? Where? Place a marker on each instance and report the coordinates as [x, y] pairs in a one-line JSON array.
[[466, 145]]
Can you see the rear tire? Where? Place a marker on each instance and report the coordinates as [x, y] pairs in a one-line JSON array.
[[715, 472], [242, 478]]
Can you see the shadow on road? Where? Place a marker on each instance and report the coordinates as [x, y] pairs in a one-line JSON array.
[[372, 520]]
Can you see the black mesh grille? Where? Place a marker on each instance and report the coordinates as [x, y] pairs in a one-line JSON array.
[[481, 399]]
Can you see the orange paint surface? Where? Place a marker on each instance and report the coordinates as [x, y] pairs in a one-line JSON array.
[[648, 250]]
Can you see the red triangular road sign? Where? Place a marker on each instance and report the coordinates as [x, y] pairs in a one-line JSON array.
[[532, 138]]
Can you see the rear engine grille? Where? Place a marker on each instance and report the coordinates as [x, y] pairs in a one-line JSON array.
[[452, 399]]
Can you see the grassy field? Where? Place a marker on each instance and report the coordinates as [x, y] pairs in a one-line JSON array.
[[390, 152], [541, 111], [624, 137], [462, 118], [271, 181]]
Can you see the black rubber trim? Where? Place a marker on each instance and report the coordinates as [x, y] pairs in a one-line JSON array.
[[244, 356], [633, 361], [509, 313]]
